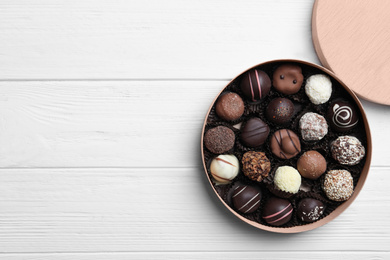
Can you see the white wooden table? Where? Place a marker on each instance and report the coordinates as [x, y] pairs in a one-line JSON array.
[[101, 110]]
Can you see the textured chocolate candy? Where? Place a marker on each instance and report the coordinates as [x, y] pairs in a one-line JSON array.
[[310, 210], [254, 132], [277, 212], [311, 165], [313, 126], [288, 79], [255, 165], [318, 88], [224, 168], [219, 139], [229, 106], [246, 198], [285, 144], [255, 85], [287, 179], [338, 185], [342, 116], [347, 150], [280, 110]]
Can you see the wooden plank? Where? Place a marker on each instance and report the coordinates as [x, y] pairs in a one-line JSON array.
[[149, 39], [162, 210], [118, 123]]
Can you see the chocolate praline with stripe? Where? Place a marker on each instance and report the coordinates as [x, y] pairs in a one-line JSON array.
[[255, 85], [254, 132], [224, 168], [246, 199], [285, 144], [277, 212], [342, 116]]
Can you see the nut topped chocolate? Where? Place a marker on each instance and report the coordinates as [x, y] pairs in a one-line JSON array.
[[255, 85], [255, 165]]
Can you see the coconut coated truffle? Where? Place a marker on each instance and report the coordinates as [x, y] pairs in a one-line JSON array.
[[318, 88], [338, 185], [313, 126], [347, 150], [287, 179]]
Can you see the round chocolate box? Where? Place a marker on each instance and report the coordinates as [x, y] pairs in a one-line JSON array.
[[324, 86]]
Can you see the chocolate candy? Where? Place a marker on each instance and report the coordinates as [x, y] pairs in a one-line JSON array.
[[318, 88], [311, 165], [285, 144], [277, 212], [313, 127], [338, 185], [219, 139], [254, 132], [246, 199], [224, 168], [255, 165], [230, 106], [288, 79], [280, 110], [310, 210], [342, 116], [287, 179], [255, 85], [347, 150]]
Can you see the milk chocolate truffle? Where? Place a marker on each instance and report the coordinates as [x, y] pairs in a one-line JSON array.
[[277, 212], [313, 126], [311, 165], [229, 106], [246, 198], [318, 88], [255, 85], [287, 179], [347, 150], [338, 185], [255, 165], [219, 139], [288, 79], [285, 144], [280, 110], [254, 132], [342, 116], [310, 210], [224, 168]]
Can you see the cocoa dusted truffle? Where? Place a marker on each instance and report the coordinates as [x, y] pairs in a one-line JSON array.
[[254, 132], [219, 139], [287, 179], [224, 168], [288, 79], [338, 185], [255, 85], [313, 127], [311, 165], [342, 116], [285, 144], [318, 88], [310, 210], [347, 150], [277, 212], [229, 106], [255, 165], [246, 198], [280, 110]]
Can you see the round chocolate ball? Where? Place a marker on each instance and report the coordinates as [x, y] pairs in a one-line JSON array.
[[288, 79], [246, 199], [287, 179], [255, 165], [224, 168], [338, 185], [255, 85], [311, 165], [280, 110], [277, 212], [254, 132], [285, 144], [318, 88], [313, 127], [310, 210], [229, 106], [347, 150], [342, 116], [219, 139]]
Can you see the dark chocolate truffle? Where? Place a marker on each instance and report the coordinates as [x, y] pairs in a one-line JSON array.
[[280, 110], [219, 139], [254, 132], [246, 199], [229, 106], [313, 126], [310, 210], [342, 116], [285, 144], [277, 212], [288, 79], [255, 85], [311, 165], [338, 185], [347, 150], [255, 165]]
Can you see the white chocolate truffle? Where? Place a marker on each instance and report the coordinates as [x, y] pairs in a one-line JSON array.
[[318, 88], [224, 168], [287, 179]]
